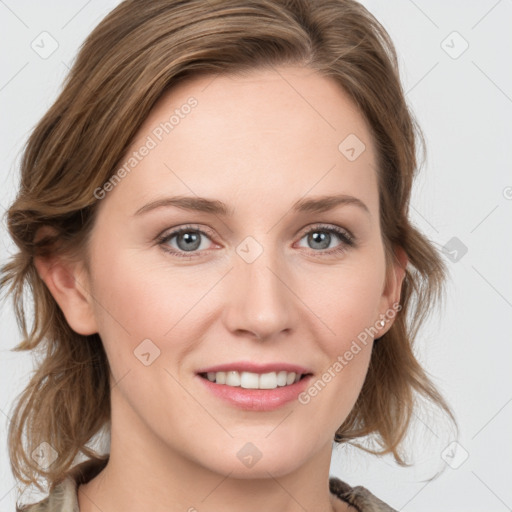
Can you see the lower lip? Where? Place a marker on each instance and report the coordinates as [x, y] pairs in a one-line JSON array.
[[257, 399]]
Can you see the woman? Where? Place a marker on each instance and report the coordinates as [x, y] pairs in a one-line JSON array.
[[213, 222]]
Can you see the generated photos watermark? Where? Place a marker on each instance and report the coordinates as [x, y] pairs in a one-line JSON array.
[[343, 360], [157, 135]]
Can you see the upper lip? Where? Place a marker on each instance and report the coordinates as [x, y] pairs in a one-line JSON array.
[[248, 366]]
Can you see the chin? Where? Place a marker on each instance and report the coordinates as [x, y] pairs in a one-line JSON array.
[[263, 469], [252, 460]]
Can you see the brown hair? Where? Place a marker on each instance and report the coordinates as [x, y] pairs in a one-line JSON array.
[[138, 52]]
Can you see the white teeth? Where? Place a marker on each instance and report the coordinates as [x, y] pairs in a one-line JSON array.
[[233, 379], [281, 379], [250, 380], [290, 378], [268, 380]]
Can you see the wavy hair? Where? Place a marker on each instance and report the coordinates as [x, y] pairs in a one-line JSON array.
[[136, 54]]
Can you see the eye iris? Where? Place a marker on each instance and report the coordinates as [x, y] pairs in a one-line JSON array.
[[193, 241], [320, 237]]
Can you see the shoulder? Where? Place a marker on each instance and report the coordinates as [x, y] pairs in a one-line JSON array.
[[63, 496], [359, 497]]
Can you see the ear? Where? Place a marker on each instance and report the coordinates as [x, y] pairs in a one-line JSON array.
[[392, 289], [68, 282]]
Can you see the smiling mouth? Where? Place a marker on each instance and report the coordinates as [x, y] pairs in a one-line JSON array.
[[251, 380]]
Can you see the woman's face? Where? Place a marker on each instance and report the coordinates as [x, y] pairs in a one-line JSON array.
[[263, 280]]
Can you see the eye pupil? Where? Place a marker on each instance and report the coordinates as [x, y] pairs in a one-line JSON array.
[[320, 237], [192, 241]]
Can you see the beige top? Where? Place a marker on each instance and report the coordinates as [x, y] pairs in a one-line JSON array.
[[64, 498]]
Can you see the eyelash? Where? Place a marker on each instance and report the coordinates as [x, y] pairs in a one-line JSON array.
[[348, 240]]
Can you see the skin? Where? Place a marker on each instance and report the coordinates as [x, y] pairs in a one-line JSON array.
[[259, 143]]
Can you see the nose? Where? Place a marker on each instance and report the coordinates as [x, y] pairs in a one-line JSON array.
[[260, 300]]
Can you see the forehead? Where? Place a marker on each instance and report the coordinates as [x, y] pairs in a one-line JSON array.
[[269, 132]]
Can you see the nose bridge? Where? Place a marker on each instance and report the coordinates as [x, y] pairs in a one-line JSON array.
[[259, 300]]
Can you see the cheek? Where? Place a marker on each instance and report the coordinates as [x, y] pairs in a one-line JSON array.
[[144, 314], [348, 305], [139, 298], [346, 298], [347, 301]]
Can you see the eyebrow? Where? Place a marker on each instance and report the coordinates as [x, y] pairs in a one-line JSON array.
[[214, 206]]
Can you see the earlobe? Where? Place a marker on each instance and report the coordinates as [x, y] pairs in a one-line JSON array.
[[67, 281]]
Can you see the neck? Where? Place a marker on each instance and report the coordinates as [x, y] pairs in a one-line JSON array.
[[143, 473]]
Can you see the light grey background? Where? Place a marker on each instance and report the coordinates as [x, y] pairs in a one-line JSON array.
[[463, 102]]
